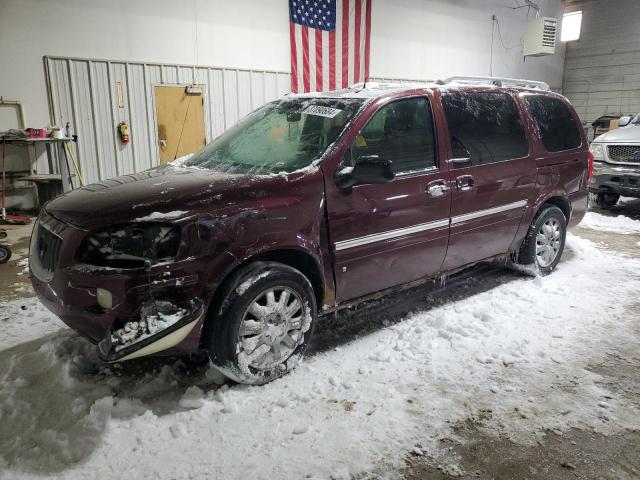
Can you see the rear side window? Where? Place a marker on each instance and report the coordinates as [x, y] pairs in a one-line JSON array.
[[556, 125], [484, 127], [401, 131]]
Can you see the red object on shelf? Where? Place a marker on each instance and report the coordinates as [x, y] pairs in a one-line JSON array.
[[37, 132]]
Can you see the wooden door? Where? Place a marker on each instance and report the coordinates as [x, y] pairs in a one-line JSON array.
[[180, 120]]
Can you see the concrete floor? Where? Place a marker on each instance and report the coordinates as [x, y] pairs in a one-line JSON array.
[[574, 454], [14, 275]]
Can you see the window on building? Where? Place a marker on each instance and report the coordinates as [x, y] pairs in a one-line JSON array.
[[571, 25], [556, 125], [484, 127]]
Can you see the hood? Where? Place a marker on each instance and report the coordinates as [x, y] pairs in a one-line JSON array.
[[628, 134], [163, 193]]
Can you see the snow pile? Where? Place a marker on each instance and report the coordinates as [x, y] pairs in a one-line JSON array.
[[154, 216], [515, 356], [24, 320], [154, 317], [179, 162], [24, 264], [618, 224], [57, 399]]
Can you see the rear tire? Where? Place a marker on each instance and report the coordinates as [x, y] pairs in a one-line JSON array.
[[542, 248], [264, 323], [604, 200]]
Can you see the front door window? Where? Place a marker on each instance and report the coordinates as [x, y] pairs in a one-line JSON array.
[[401, 132]]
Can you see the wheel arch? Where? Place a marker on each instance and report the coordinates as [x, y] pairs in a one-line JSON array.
[[293, 257], [296, 258], [559, 201], [526, 251]]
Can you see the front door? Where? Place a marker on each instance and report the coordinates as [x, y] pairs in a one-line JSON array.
[[492, 173], [180, 120], [391, 233]]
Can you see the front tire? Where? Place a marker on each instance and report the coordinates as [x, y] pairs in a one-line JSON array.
[[263, 324], [543, 246]]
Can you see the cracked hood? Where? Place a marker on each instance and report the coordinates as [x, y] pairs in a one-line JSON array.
[[629, 134], [164, 193]]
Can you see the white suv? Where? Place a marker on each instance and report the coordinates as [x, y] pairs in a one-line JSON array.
[[616, 156]]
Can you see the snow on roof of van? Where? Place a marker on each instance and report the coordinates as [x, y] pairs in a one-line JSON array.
[[366, 90], [370, 90]]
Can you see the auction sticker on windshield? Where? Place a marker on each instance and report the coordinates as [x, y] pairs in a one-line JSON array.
[[321, 111]]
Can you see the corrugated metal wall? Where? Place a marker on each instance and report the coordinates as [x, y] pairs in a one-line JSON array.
[[84, 93], [602, 69]]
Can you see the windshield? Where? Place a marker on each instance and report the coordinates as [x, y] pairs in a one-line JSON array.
[[282, 136]]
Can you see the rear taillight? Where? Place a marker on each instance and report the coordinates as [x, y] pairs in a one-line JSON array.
[[590, 169]]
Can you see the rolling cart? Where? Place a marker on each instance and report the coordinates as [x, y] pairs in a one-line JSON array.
[[5, 251]]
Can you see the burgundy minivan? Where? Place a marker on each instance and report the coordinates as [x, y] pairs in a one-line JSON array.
[[310, 204]]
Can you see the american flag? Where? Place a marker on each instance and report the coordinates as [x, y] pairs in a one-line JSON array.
[[330, 43]]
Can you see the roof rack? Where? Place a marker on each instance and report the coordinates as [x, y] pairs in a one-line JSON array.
[[497, 81]]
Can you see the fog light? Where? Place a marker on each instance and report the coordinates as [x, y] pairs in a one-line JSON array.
[[105, 300]]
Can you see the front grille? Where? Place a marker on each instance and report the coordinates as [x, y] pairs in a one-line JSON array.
[[624, 153], [47, 250]]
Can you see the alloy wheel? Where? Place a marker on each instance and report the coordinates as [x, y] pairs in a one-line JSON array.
[[272, 328], [548, 240]]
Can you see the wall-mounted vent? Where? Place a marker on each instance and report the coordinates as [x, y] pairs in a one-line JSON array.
[[540, 38]]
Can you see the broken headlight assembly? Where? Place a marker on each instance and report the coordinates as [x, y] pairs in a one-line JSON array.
[[130, 245]]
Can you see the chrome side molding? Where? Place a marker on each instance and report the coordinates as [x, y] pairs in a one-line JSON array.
[[399, 232], [422, 227], [488, 211]]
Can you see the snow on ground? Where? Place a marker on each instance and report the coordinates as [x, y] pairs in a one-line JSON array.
[[24, 320], [618, 224], [514, 355]]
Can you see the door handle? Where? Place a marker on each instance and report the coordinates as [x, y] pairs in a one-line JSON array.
[[465, 183], [437, 188]]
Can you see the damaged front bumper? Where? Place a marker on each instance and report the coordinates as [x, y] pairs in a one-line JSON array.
[[97, 301], [140, 340]]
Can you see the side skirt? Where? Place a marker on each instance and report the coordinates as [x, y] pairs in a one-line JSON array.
[[405, 286]]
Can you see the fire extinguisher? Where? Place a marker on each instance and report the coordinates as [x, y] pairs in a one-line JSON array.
[[123, 132]]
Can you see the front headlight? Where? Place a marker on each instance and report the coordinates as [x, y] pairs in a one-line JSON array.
[[597, 150], [130, 245]]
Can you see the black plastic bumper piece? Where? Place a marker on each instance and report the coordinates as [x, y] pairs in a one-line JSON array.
[[621, 184]]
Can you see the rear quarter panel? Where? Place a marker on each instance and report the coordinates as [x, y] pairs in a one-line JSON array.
[[561, 176]]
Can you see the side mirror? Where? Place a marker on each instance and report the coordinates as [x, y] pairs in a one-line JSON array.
[[624, 121], [368, 169]]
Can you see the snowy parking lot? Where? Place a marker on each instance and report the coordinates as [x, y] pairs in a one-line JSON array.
[[386, 384]]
